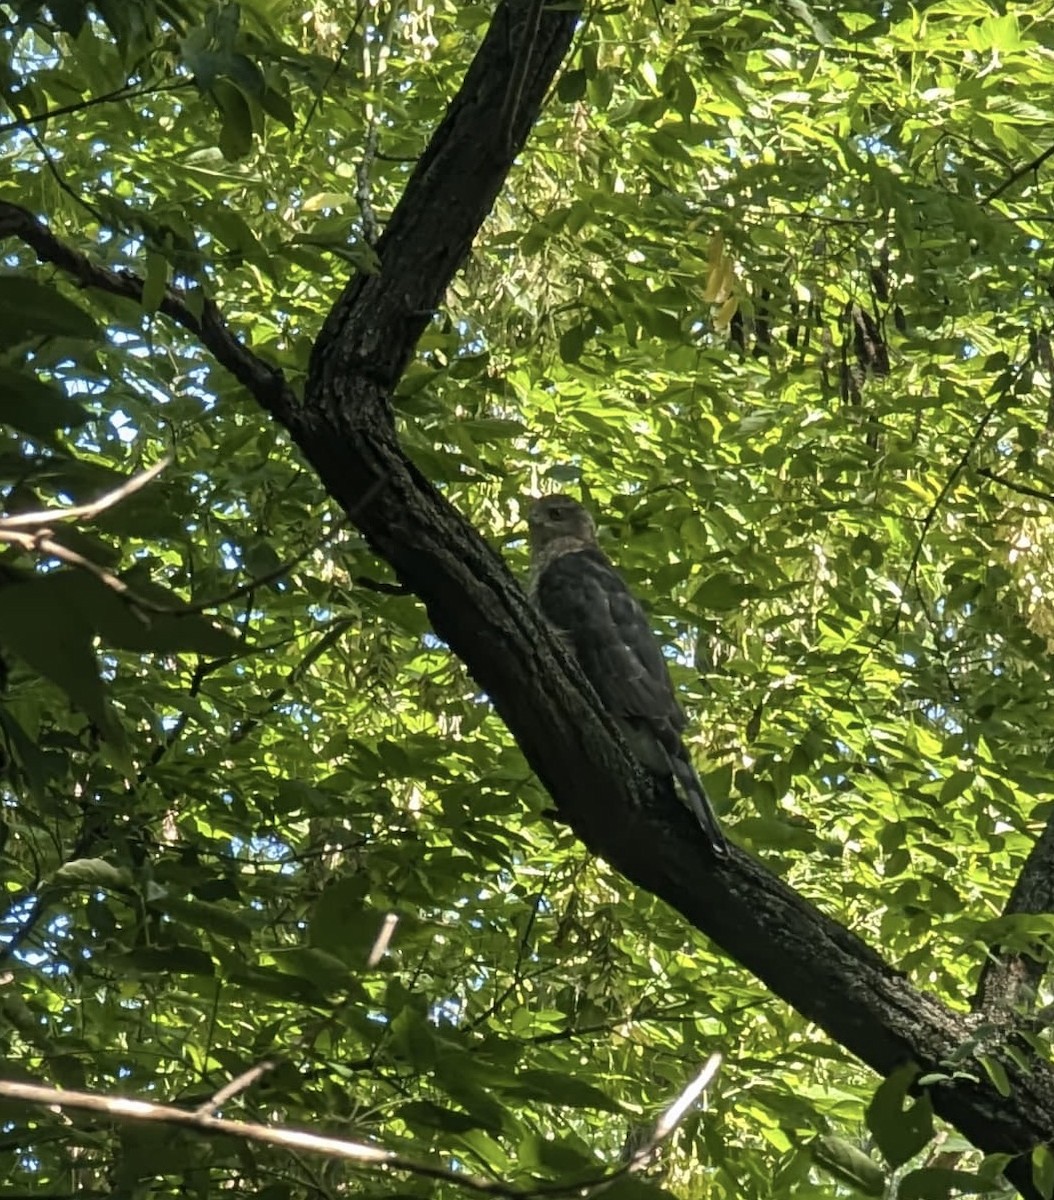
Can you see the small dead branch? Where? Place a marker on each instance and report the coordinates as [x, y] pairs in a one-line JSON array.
[[360, 1154]]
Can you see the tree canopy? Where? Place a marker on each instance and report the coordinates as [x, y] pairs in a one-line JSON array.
[[300, 303]]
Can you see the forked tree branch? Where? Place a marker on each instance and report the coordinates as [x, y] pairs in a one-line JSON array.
[[363, 1155], [346, 430]]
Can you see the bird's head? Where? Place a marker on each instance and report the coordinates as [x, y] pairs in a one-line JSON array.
[[555, 517]]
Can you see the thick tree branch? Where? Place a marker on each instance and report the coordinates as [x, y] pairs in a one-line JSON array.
[[1009, 977], [452, 189], [346, 431]]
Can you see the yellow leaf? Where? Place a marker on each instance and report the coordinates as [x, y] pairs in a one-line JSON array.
[[726, 312]]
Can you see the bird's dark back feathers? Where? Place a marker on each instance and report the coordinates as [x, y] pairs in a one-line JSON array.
[[582, 595]]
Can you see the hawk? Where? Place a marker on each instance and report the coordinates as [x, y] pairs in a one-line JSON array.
[[576, 588]]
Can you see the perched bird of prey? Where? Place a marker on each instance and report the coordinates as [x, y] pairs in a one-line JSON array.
[[578, 591]]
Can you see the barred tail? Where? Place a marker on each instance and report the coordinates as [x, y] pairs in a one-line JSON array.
[[693, 794]]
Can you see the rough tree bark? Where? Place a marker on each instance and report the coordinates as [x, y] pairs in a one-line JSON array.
[[345, 429]]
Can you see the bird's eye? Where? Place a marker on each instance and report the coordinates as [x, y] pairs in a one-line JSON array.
[[558, 514]]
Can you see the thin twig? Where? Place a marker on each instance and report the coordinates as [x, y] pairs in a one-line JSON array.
[[338, 62], [238, 1084], [59, 178], [956, 471], [911, 575], [675, 1114], [40, 543], [86, 511], [258, 581], [359, 1153], [1023, 489], [384, 936], [329, 638], [121, 93], [1014, 176], [517, 970]]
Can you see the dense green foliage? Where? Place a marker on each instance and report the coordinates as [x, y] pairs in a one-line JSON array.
[[770, 290]]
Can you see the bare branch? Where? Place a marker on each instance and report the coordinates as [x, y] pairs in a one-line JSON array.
[[1022, 489], [359, 1154], [40, 543], [86, 511], [266, 383], [238, 1084], [380, 944], [671, 1118]]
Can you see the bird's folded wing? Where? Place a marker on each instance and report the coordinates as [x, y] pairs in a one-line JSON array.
[[582, 594]]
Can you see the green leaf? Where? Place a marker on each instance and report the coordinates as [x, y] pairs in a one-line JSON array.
[[996, 1072], [199, 914], [451, 1077], [117, 620], [571, 87], [57, 642], [572, 343], [236, 132], [343, 926], [29, 308], [849, 1164], [164, 960], [36, 408], [94, 872], [323, 970], [268, 981], [555, 1087], [276, 105], [939, 1183], [413, 1038], [722, 592], [155, 281], [434, 1116], [557, 1157], [1043, 1171], [37, 766], [901, 1126]]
